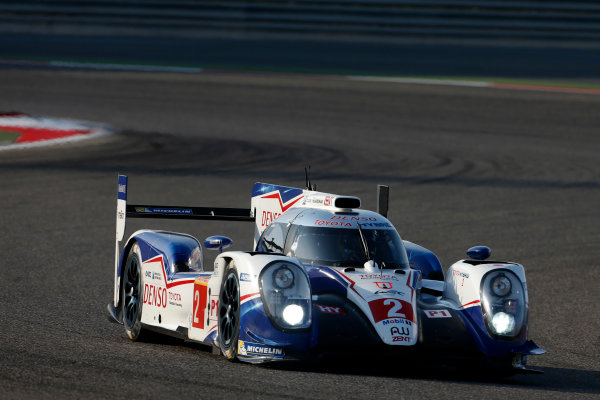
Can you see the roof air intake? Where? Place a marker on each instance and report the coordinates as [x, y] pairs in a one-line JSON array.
[[347, 202]]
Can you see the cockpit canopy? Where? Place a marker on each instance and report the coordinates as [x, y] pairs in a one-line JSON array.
[[326, 238]]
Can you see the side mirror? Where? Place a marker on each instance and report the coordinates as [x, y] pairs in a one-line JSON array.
[[217, 242], [479, 252]]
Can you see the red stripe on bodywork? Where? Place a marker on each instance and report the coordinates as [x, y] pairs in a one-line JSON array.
[[180, 282], [352, 283], [412, 291], [471, 303], [277, 196], [167, 284], [247, 296]]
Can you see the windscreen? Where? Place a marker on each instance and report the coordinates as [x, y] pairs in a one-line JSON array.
[[343, 247]]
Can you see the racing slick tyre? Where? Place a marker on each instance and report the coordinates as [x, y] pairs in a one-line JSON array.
[[229, 313], [131, 294]]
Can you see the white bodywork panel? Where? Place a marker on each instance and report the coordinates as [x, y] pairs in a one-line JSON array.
[[166, 304], [463, 281], [388, 299]]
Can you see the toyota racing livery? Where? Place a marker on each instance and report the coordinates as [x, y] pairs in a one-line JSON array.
[[324, 277]]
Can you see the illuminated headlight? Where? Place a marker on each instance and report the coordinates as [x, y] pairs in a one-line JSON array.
[[504, 303], [285, 291], [293, 314], [503, 323]]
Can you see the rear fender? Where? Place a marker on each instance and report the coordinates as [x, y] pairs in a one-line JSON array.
[[115, 309]]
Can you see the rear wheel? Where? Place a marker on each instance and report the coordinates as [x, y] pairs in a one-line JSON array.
[[229, 313], [131, 295]]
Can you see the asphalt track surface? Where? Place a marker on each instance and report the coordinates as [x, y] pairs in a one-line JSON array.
[[516, 170]]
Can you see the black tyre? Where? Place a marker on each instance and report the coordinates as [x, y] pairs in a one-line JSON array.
[[132, 294], [229, 313]]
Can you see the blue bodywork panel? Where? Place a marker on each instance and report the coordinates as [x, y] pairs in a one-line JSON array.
[[175, 248], [424, 260], [324, 280], [472, 318], [479, 252], [286, 193]]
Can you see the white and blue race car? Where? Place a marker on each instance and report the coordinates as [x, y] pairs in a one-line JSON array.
[[325, 277]]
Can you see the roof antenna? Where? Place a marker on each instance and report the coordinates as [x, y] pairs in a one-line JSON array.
[[309, 186], [363, 241]]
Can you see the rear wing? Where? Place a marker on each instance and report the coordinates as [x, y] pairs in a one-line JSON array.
[[125, 211], [205, 213]]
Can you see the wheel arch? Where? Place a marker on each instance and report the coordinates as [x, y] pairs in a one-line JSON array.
[[116, 310], [134, 331]]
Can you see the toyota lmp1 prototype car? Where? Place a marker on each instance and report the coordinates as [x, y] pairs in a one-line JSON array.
[[324, 277]]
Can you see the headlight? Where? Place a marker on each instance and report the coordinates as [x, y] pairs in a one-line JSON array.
[[283, 278], [293, 314], [285, 291], [503, 323], [503, 303], [501, 285]]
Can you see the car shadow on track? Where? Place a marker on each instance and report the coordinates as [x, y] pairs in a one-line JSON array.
[[561, 380], [553, 379]]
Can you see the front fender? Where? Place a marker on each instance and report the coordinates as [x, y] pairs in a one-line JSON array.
[[255, 325], [463, 290]]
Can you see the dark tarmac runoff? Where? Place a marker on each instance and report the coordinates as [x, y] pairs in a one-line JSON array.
[[515, 170]]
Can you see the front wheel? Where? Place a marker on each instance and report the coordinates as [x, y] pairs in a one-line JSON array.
[[131, 294], [229, 313]]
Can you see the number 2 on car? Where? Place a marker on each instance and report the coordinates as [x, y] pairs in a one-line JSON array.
[[200, 301]]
